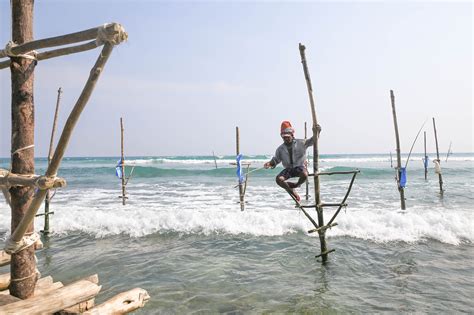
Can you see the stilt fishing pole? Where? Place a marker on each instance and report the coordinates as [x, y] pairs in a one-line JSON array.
[[449, 151], [414, 141]]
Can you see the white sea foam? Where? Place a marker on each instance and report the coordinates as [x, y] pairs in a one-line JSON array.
[[204, 209]]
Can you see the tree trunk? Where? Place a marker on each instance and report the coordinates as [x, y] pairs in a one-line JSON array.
[[23, 263]]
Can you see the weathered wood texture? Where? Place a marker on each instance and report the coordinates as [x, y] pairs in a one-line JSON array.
[[53, 167], [399, 158], [23, 264], [122, 303], [440, 177], [37, 181], [57, 300], [317, 190]]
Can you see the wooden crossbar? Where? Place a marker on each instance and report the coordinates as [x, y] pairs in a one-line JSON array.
[[323, 228]]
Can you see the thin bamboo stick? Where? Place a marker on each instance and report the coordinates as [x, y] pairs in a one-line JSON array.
[[317, 193], [50, 155], [440, 177], [237, 151], [307, 161], [399, 158], [122, 163], [426, 158], [64, 139], [215, 161]]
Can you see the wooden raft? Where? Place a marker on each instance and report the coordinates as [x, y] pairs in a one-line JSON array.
[[75, 298]]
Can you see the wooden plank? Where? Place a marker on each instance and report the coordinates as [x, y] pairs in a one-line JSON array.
[[55, 301], [122, 303], [4, 281], [4, 258]]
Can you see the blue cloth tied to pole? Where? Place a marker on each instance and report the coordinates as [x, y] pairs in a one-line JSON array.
[[239, 169], [425, 161], [118, 169], [403, 177]]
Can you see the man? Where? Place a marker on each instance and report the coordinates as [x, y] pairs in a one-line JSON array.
[[292, 154]]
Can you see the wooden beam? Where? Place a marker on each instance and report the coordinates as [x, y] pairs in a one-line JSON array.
[[4, 258], [38, 181], [399, 158], [122, 303], [110, 30], [55, 301], [53, 167]]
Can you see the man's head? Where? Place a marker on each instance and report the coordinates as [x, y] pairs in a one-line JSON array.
[[286, 131]]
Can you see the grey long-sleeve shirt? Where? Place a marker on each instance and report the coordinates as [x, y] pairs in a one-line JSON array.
[[298, 146]]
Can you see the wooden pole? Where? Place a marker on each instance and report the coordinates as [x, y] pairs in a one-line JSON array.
[[237, 151], [50, 155], [391, 160], [399, 158], [122, 162], [437, 157], [23, 264], [425, 161], [317, 193], [215, 161], [307, 160], [53, 167], [449, 151]]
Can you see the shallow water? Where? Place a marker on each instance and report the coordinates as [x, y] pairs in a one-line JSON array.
[[183, 238]]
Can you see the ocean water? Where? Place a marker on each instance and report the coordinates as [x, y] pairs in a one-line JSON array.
[[183, 238]]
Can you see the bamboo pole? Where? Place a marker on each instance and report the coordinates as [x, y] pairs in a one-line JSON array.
[[317, 193], [307, 160], [449, 151], [50, 155], [437, 157], [399, 158], [53, 167], [66, 39], [23, 264], [122, 163], [425, 161], [60, 52], [391, 160], [215, 161], [237, 151]]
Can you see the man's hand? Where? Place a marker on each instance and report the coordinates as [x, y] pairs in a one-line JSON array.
[[318, 129], [267, 165]]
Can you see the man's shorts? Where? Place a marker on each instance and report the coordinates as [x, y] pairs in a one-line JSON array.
[[291, 172]]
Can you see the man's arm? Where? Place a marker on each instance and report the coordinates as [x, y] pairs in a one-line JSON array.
[[274, 161], [309, 142]]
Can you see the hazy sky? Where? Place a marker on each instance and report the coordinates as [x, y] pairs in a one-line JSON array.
[[192, 71]]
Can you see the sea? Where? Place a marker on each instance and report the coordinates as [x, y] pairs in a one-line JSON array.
[[183, 237]]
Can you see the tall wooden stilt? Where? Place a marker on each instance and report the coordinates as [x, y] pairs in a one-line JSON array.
[[307, 160], [122, 162], [425, 161], [23, 265], [391, 160], [399, 158], [317, 193], [215, 161], [438, 169], [50, 155], [237, 151]]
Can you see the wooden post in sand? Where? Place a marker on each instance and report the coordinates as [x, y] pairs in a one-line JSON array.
[[317, 193], [438, 167], [237, 151], [23, 264], [50, 155], [399, 158], [307, 160], [425, 160], [122, 162]]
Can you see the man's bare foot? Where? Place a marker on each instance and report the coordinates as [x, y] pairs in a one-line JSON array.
[[295, 194]]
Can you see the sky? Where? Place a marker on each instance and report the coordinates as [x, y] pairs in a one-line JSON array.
[[191, 71]]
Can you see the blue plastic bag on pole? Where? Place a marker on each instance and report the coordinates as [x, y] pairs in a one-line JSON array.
[[425, 161], [239, 169], [118, 169], [403, 177]]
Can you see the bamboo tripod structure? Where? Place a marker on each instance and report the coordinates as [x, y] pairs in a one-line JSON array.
[[399, 158], [440, 177], [20, 179], [48, 197], [320, 226]]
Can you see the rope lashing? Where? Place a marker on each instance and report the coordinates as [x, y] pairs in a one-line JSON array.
[[8, 52], [12, 247], [22, 149], [114, 36], [35, 273]]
